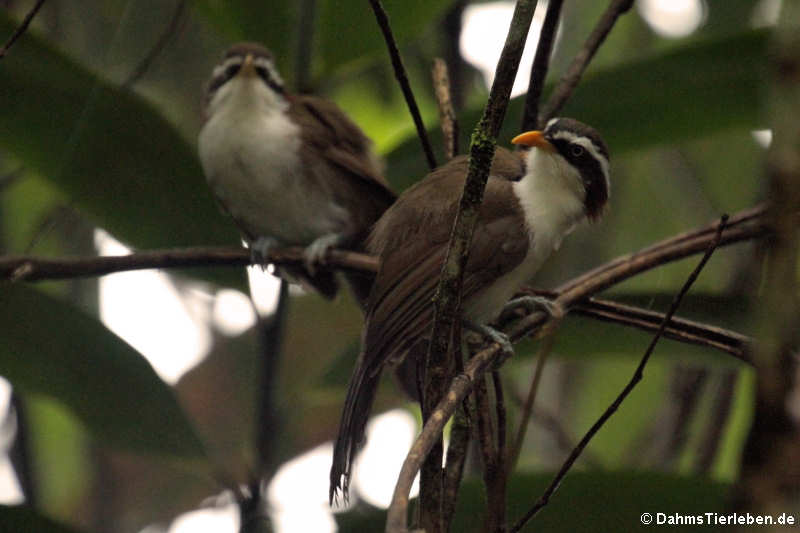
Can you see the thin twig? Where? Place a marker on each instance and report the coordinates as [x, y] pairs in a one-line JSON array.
[[402, 79], [447, 300], [680, 329], [527, 407], [158, 47], [22, 28], [635, 379], [33, 268], [447, 115], [305, 44], [541, 63], [570, 79], [454, 470], [485, 438]]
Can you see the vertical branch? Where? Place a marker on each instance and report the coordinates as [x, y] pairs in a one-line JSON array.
[[402, 79], [527, 407], [495, 499], [454, 471], [22, 28], [719, 413], [447, 115], [771, 462], [305, 44], [271, 340], [252, 508], [448, 294], [541, 63], [570, 79], [635, 379]]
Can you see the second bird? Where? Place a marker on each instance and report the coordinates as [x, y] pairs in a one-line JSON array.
[[291, 170], [531, 202]]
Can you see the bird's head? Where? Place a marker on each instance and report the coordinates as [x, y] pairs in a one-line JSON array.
[[574, 152], [246, 76]]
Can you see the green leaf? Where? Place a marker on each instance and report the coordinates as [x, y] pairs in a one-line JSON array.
[[270, 22], [18, 518], [348, 31], [107, 149], [684, 93], [50, 348]]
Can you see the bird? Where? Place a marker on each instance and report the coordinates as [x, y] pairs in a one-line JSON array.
[[532, 200], [290, 169]]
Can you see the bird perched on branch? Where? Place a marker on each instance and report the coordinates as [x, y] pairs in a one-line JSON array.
[[292, 170], [531, 202]]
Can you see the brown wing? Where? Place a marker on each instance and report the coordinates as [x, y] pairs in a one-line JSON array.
[[412, 240], [331, 138]]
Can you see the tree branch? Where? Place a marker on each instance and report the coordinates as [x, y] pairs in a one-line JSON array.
[[447, 115], [635, 379], [746, 224], [402, 79], [541, 63], [570, 79], [21, 29], [447, 300]]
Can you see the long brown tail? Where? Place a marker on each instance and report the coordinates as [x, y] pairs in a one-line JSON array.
[[357, 406]]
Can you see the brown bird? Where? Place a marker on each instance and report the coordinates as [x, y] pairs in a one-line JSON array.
[[292, 170], [531, 202]]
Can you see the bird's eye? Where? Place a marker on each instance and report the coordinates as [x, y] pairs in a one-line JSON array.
[[231, 71], [262, 73], [577, 150]]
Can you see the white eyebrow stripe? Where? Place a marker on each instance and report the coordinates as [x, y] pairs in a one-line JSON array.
[[590, 147], [222, 67], [268, 64]]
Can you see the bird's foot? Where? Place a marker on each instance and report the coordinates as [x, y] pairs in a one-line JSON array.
[[531, 304], [316, 253], [494, 335], [259, 250]]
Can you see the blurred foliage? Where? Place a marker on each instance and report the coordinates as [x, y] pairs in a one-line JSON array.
[[587, 502], [677, 115]]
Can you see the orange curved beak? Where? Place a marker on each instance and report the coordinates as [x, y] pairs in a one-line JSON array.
[[534, 139]]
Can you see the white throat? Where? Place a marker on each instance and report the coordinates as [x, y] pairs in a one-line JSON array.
[[552, 196]]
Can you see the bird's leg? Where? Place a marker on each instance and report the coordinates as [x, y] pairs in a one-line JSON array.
[[260, 248], [494, 335], [316, 252], [531, 304]]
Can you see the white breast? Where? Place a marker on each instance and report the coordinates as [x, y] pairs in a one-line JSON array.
[[249, 150], [551, 196]]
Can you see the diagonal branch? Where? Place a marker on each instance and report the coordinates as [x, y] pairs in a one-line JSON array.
[[402, 79], [21, 29], [638, 374], [541, 63], [570, 79]]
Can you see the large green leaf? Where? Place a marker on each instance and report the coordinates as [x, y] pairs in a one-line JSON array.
[[19, 518], [684, 93], [48, 347], [111, 152], [348, 31], [244, 20]]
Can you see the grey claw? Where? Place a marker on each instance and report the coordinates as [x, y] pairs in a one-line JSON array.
[[531, 304]]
